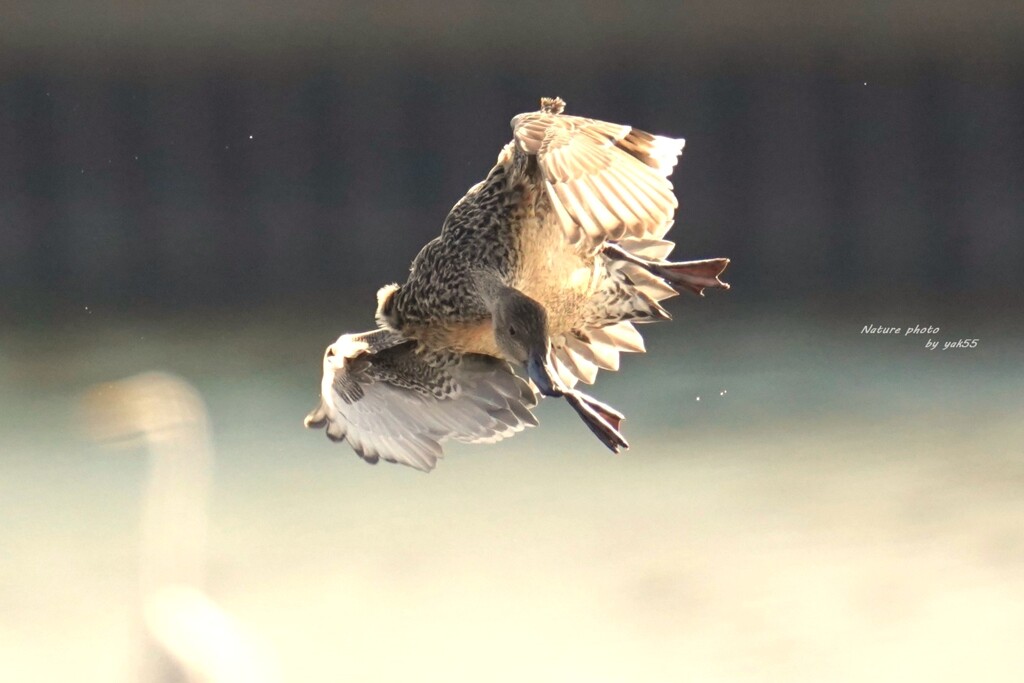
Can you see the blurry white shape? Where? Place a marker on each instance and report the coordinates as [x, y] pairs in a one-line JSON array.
[[698, 398], [167, 416], [203, 638]]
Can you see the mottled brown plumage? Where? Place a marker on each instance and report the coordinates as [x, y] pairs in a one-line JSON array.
[[547, 262]]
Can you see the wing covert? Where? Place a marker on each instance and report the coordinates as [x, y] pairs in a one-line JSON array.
[[394, 403]]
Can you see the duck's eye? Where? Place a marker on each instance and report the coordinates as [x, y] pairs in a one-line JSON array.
[[511, 331]]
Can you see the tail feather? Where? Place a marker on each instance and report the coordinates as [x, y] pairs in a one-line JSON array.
[[558, 362], [623, 336], [582, 367], [662, 230], [634, 277], [656, 249], [648, 283], [601, 355]]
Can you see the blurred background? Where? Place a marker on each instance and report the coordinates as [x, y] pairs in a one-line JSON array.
[[217, 190]]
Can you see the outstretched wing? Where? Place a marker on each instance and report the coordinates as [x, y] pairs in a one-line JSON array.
[[605, 181], [394, 403]]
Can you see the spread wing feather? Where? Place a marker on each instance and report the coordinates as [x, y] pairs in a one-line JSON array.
[[395, 403], [605, 181]]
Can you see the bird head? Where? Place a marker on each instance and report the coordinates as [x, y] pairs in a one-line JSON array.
[[521, 333], [520, 325]]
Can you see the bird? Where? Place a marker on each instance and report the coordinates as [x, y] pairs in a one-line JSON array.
[[185, 635], [541, 269]]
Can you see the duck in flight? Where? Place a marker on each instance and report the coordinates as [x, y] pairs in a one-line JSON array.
[[544, 266]]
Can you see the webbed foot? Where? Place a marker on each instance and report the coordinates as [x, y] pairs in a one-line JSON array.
[[693, 276], [603, 420]]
